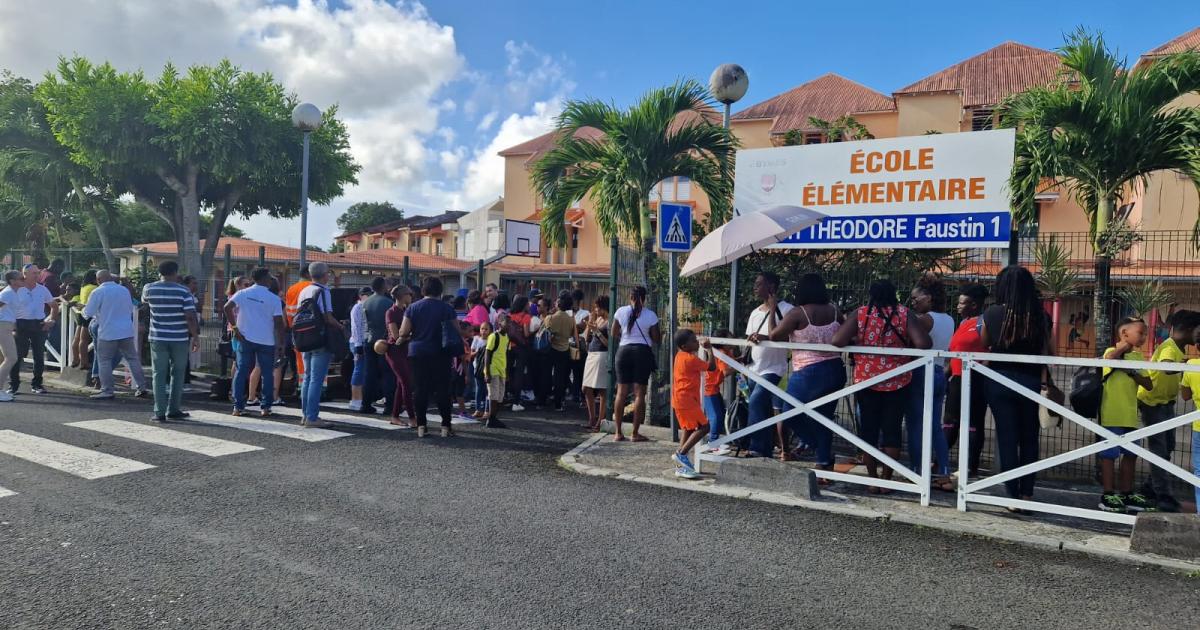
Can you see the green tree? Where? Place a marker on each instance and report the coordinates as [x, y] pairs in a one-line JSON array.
[[214, 138], [841, 129], [365, 214], [669, 132], [43, 194], [1100, 132], [132, 223]]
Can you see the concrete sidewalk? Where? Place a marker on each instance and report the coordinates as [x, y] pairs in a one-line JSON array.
[[649, 462]]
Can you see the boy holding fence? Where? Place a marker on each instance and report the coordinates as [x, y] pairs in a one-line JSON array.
[[1158, 405], [685, 397], [1119, 414]]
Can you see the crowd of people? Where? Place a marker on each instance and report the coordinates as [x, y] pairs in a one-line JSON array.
[[487, 353], [889, 412]]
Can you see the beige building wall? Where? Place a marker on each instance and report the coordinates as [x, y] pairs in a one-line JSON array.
[[880, 124], [1170, 202], [518, 197], [928, 112], [753, 134]]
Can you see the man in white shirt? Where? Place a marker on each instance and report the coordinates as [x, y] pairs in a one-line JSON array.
[[770, 363], [32, 300], [8, 321], [359, 349], [258, 326], [112, 307]]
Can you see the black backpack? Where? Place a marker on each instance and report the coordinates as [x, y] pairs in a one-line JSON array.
[[308, 326], [1087, 390]]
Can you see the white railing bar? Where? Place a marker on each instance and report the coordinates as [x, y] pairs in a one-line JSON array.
[[1162, 366], [869, 481], [927, 433], [1062, 510], [1111, 439], [810, 409], [964, 433]]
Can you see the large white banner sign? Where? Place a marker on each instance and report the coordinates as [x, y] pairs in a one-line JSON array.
[[939, 190]]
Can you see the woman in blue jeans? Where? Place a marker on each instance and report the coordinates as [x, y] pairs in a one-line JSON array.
[[928, 303], [1016, 324], [815, 373]]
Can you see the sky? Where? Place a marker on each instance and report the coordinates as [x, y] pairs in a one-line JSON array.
[[432, 91]]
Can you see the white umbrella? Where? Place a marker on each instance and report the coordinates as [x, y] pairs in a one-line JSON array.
[[748, 233]]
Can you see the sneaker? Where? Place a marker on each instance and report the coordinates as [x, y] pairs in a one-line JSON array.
[[719, 450], [6, 397], [102, 396], [278, 402], [682, 460], [1112, 502], [158, 419], [141, 393], [517, 407], [253, 403], [447, 432], [1137, 502], [237, 413], [38, 390], [315, 424], [421, 432], [355, 405], [687, 473], [179, 415]]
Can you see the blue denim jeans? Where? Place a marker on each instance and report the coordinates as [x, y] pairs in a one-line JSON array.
[[481, 392], [249, 354], [316, 366], [358, 376], [714, 410], [806, 385], [760, 407], [1196, 464], [915, 416]]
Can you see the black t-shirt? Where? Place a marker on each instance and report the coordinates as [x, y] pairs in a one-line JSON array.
[[993, 318], [426, 316]]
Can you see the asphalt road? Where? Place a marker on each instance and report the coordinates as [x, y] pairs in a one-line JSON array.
[[381, 530]]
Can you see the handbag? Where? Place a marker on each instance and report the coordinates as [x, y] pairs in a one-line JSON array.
[[225, 345], [1046, 418]]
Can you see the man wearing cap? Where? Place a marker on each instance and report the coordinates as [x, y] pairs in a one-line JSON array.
[[32, 301], [359, 347]]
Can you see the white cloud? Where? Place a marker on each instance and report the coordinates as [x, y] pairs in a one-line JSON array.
[[386, 63]]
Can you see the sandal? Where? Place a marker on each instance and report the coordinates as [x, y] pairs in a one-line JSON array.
[[398, 422], [638, 438], [620, 438], [945, 484]]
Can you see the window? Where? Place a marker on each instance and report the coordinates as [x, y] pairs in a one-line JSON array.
[[437, 247], [668, 189], [683, 189], [573, 253], [813, 137], [414, 244], [493, 242], [982, 119], [468, 243]]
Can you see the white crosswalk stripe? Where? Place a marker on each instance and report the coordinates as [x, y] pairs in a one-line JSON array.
[[201, 444], [80, 462], [5, 492], [266, 426], [345, 418]]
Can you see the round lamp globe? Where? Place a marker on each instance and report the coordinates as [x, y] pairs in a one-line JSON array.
[[306, 117]]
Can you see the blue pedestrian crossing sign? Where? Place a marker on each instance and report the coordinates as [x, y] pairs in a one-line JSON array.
[[674, 227]]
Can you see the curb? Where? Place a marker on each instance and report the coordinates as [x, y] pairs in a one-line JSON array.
[[570, 461]]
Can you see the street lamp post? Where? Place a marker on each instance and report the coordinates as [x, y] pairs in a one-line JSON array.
[[307, 118], [728, 85]]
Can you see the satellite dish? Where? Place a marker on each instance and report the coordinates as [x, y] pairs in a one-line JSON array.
[[728, 83]]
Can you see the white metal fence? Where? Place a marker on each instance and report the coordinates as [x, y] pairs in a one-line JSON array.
[[920, 482]]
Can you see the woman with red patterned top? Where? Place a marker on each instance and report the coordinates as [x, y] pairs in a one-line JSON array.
[[883, 323]]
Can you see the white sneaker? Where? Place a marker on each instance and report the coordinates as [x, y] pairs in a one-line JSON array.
[[687, 473], [720, 450], [517, 407], [6, 397], [355, 405]]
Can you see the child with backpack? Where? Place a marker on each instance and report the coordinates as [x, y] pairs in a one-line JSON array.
[[1119, 414], [685, 397], [495, 368], [478, 357]]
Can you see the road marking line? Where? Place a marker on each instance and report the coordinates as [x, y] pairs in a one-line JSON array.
[[266, 426], [80, 462], [343, 418], [5, 492], [201, 444]]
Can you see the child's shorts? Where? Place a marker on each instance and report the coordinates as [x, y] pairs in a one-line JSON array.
[[691, 418], [496, 388], [1115, 452]]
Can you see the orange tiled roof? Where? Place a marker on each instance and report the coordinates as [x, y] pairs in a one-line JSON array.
[[246, 249], [1188, 41], [826, 97], [551, 269], [989, 77]]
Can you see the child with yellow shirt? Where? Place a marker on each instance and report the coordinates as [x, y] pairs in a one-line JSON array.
[[1158, 405], [1119, 414], [1189, 386]]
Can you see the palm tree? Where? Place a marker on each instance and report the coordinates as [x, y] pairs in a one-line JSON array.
[[1145, 297], [1056, 278], [615, 157], [1100, 132]]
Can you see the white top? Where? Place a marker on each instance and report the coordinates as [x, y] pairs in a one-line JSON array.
[[257, 309], [535, 324], [581, 315], [112, 306], [8, 305], [32, 303], [641, 328], [358, 324], [943, 329], [325, 302], [767, 360]]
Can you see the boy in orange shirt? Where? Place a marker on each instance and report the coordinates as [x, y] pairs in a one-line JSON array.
[[685, 397]]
